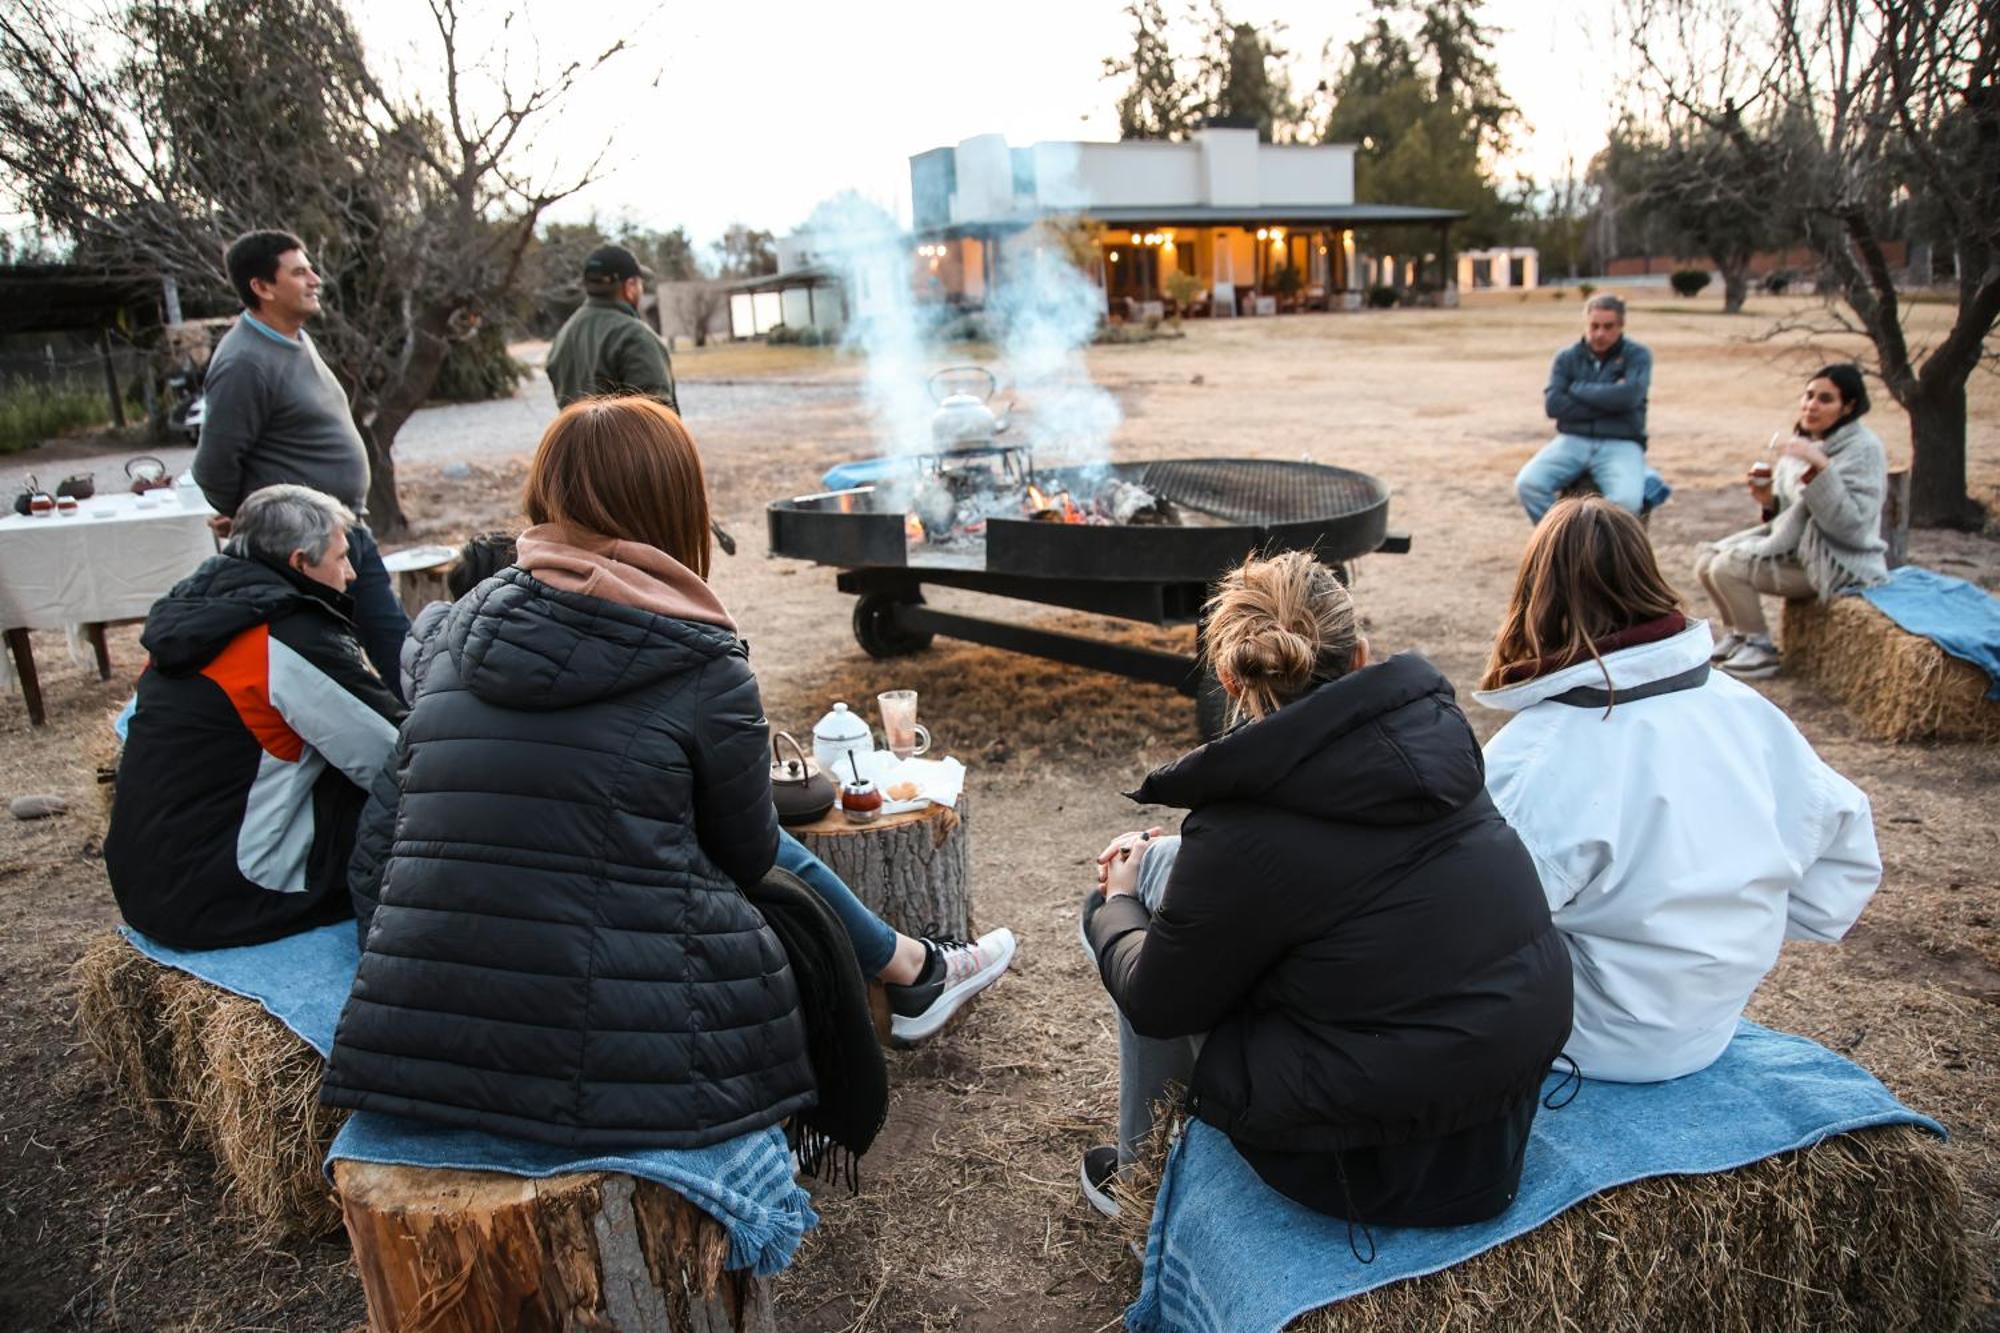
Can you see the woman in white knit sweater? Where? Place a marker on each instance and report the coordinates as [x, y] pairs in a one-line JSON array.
[[1822, 529]]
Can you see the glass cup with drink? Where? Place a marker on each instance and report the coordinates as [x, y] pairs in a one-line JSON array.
[[901, 731]]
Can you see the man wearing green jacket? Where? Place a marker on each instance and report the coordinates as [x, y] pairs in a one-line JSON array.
[[605, 348]]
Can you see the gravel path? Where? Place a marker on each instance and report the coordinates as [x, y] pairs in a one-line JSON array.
[[475, 432]]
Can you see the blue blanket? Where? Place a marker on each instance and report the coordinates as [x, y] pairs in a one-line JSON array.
[[1227, 1254], [1959, 617], [745, 1183]]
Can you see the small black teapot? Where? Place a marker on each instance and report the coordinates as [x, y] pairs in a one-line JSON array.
[[800, 791]]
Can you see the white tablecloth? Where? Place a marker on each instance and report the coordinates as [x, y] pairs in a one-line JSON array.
[[110, 561]]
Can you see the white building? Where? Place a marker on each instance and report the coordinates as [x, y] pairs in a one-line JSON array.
[[1255, 225]]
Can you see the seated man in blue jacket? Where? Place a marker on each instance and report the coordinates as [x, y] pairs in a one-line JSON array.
[[1597, 398]]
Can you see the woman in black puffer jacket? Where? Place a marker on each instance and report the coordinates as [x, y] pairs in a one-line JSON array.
[[562, 951], [1349, 932]]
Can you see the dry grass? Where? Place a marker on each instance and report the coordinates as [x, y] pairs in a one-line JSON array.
[[1897, 686], [1863, 1231], [217, 1071]]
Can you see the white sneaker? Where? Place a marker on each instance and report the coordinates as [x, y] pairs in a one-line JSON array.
[[957, 971], [1726, 647], [1755, 660]]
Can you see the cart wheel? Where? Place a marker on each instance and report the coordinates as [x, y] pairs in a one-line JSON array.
[[875, 626]]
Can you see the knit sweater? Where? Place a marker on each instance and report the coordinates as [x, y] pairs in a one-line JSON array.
[[1831, 526], [275, 413]]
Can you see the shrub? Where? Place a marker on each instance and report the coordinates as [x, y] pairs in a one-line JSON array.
[[1381, 297], [1589, 289], [1689, 281], [33, 412], [1559, 294], [478, 369], [1777, 281], [1288, 281], [1182, 288], [781, 335]]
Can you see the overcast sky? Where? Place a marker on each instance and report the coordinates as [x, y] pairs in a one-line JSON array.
[[757, 111]]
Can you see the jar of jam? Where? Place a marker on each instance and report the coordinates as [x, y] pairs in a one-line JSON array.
[[861, 800]]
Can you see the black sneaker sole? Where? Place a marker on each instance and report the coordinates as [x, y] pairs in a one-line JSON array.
[[1098, 1199]]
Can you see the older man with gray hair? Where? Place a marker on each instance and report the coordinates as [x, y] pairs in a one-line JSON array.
[[257, 731], [1597, 397]]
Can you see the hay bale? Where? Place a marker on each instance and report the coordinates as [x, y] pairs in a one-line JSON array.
[[215, 1071], [102, 752], [1863, 1231], [119, 1015], [1897, 686]]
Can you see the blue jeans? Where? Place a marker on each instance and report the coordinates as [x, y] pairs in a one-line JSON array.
[[379, 621], [874, 941], [1617, 466]]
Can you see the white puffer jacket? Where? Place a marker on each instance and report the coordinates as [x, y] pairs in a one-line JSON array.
[[1680, 839]]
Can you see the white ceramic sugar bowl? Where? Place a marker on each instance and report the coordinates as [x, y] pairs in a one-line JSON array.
[[834, 736]]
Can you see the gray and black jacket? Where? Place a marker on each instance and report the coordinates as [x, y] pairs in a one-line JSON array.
[[1600, 398], [562, 950]]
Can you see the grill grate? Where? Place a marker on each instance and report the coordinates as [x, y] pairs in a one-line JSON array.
[[1254, 492]]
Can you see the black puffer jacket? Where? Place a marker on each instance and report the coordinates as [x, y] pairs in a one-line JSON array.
[[1366, 944], [257, 730], [561, 950]]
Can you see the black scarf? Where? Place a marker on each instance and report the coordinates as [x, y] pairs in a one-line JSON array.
[[847, 1064]]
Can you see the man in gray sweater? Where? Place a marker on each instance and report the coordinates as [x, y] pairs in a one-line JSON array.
[[275, 413]]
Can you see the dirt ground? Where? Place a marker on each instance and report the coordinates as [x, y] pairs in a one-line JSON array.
[[969, 1216]]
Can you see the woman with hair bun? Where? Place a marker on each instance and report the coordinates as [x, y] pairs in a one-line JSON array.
[[1822, 498], [1345, 955]]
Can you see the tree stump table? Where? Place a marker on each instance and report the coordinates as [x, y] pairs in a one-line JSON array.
[[472, 1251], [914, 870]]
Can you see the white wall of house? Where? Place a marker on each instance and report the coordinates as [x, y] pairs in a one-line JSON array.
[[1218, 168]]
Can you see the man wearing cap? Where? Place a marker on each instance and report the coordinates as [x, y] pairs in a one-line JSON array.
[[605, 347]]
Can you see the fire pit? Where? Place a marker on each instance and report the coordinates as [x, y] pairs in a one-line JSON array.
[[1140, 541], [1157, 572]]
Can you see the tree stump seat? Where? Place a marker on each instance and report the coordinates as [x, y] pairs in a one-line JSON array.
[[471, 1251], [914, 870]]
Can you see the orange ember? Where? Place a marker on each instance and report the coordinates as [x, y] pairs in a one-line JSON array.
[[913, 527]]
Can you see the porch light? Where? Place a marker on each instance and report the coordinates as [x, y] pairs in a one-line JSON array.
[[1277, 233], [1263, 233], [1114, 256], [1135, 238]]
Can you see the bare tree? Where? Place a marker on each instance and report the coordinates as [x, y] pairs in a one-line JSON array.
[[696, 303], [152, 135], [1892, 112]]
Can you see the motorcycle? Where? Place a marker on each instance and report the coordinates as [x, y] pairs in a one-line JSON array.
[[188, 405]]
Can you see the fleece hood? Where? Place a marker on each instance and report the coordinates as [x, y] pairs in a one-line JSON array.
[[1383, 745], [629, 573], [518, 642], [226, 595]]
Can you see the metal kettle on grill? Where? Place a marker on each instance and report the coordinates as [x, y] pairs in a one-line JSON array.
[[964, 419]]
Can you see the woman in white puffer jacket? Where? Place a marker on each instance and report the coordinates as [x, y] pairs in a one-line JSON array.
[[1681, 825]]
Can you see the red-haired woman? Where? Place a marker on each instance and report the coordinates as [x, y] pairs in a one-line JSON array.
[[562, 950]]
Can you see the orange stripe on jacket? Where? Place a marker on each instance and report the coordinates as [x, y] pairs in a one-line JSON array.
[[243, 670]]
